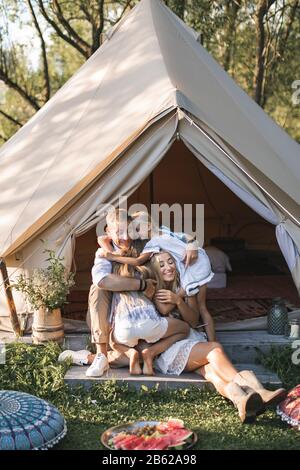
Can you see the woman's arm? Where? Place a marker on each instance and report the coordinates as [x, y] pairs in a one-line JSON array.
[[163, 308], [189, 311]]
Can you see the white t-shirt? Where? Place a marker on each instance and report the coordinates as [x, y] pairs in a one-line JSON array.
[[102, 267]]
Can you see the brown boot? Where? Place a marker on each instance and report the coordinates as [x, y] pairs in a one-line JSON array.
[[248, 378], [248, 402]]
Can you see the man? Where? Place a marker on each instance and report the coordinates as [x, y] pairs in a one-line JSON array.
[[104, 283]]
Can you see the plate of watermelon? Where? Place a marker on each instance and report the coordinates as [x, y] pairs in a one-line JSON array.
[[149, 435]]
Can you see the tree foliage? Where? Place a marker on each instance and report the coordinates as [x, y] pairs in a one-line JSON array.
[[256, 41]]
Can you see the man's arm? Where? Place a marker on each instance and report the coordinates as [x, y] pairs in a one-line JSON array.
[[104, 278], [116, 283]]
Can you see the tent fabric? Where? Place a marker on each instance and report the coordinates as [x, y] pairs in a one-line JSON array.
[[287, 232], [150, 66], [122, 178]]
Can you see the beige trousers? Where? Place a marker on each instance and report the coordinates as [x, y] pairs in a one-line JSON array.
[[98, 321]]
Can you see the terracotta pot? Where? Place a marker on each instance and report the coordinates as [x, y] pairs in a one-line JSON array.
[[47, 326]]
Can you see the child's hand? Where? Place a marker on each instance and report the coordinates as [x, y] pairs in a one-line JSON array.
[[108, 255], [190, 257], [102, 253]]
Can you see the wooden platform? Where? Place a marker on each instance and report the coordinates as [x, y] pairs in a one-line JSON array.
[[76, 376], [241, 347]]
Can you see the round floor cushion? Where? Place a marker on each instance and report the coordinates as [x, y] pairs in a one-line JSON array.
[[289, 409], [28, 422]]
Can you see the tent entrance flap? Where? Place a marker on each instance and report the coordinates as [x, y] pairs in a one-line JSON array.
[[180, 177]]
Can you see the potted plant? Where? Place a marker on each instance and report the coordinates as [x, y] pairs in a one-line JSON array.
[[46, 290]]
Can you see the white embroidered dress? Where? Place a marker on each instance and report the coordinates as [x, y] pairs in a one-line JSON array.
[[175, 358]]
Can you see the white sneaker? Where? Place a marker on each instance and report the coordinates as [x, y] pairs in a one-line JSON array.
[[80, 358], [98, 366]]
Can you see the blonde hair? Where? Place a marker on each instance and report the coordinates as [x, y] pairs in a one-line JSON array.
[[144, 216], [117, 215], [156, 272], [128, 270]]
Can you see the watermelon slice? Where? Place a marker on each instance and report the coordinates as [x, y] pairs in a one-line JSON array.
[[162, 427], [170, 425], [171, 434], [119, 437], [132, 444], [163, 443], [117, 443], [175, 423], [177, 436], [180, 435], [152, 443]]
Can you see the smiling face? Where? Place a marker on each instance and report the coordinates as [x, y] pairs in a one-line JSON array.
[[166, 264], [117, 228]]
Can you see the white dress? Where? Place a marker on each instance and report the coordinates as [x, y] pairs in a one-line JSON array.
[[135, 317], [175, 358]]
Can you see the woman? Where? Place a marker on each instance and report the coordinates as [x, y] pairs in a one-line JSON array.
[[196, 354], [134, 318]]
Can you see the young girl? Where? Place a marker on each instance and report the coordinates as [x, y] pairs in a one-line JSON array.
[[192, 263], [134, 318]]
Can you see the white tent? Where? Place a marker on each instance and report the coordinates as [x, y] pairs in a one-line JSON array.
[[111, 124]]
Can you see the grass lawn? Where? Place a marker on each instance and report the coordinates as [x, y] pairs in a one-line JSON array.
[[34, 369]]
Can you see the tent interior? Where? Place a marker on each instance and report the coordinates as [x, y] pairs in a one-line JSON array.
[[259, 271]]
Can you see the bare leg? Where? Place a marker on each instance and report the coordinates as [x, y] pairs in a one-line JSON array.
[[131, 353], [247, 402], [177, 330], [209, 374], [212, 353], [101, 348], [205, 314], [90, 358]]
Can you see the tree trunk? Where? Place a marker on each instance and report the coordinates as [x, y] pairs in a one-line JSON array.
[[259, 73], [232, 8]]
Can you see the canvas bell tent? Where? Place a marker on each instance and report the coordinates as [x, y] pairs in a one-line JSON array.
[[119, 117]]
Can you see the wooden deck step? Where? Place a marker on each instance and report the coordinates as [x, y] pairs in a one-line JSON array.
[[76, 376], [241, 346]]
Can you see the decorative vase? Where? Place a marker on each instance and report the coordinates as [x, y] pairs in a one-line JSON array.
[[47, 326], [277, 317]]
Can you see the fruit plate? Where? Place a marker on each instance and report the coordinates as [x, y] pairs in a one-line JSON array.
[[138, 426]]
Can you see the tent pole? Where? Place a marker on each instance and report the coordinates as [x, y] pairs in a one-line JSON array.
[[9, 297]]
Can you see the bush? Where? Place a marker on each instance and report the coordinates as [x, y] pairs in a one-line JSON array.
[[47, 287]]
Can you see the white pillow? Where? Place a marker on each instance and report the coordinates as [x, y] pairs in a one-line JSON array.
[[219, 261]]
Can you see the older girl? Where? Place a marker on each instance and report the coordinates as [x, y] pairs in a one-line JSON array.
[[197, 354]]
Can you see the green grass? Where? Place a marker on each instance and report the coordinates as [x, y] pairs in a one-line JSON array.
[[34, 369]]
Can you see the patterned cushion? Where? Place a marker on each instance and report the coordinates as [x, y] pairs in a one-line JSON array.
[[28, 422], [289, 409]]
